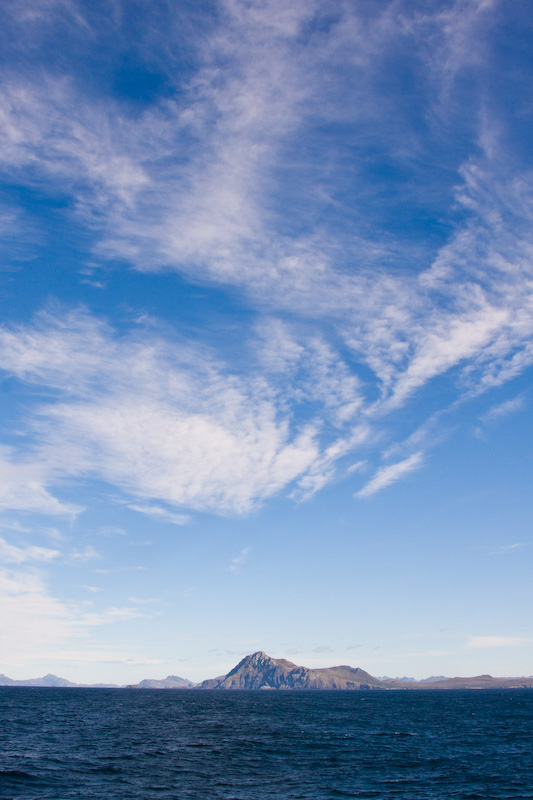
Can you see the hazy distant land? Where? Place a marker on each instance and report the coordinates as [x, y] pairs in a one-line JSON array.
[[259, 671]]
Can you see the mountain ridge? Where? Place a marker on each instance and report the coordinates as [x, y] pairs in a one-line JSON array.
[[259, 671]]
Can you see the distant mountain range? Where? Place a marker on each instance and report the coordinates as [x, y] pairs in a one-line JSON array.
[[260, 671], [170, 682], [53, 681]]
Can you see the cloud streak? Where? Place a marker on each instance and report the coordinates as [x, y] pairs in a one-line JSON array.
[[238, 561], [390, 474], [161, 514]]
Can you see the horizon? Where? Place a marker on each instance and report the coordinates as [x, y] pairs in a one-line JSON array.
[[407, 678], [265, 340]]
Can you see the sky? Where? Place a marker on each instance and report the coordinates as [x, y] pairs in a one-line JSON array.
[[265, 336]]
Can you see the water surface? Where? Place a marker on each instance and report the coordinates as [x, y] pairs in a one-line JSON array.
[[57, 744]]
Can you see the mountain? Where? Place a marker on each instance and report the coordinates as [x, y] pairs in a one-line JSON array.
[[259, 671], [170, 682], [477, 682], [47, 680]]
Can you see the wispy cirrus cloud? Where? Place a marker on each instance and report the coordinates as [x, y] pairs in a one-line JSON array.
[[504, 409], [385, 476], [507, 548], [191, 182], [158, 420], [162, 514]]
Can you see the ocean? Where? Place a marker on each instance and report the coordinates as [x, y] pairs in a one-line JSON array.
[[57, 744]]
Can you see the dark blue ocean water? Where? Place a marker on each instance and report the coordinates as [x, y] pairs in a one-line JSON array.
[[57, 744]]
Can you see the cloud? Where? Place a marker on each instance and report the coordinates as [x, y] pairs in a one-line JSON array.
[[86, 554], [23, 487], [13, 554], [390, 474], [159, 420], [357, 467], [423, 654], [322, 471], [503, 409], [35, 625], [161, 514], [507, 548], [108, 617], [238, 178], [103, 655], [238, 561], [141, 601], [323, 648], [32, 622], [111, 530], [210, 212], [480, 642]]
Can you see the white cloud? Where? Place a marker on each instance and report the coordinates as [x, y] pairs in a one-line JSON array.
[[507, 548], [480, 642], [357, 467], [159, 420], [322, 471], [456, 339], [390, 474], [86, 554], [190, 185], [238, 561], [503, 409], [32, 623], [13, 554], [35, 625], [141, 601], [10, 525], [103, 655], [161, 514], [111, 530], [219, 461], [23, 487], [107, 617], [45, 125]]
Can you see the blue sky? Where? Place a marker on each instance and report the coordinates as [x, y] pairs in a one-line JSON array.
[[267, 312]]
